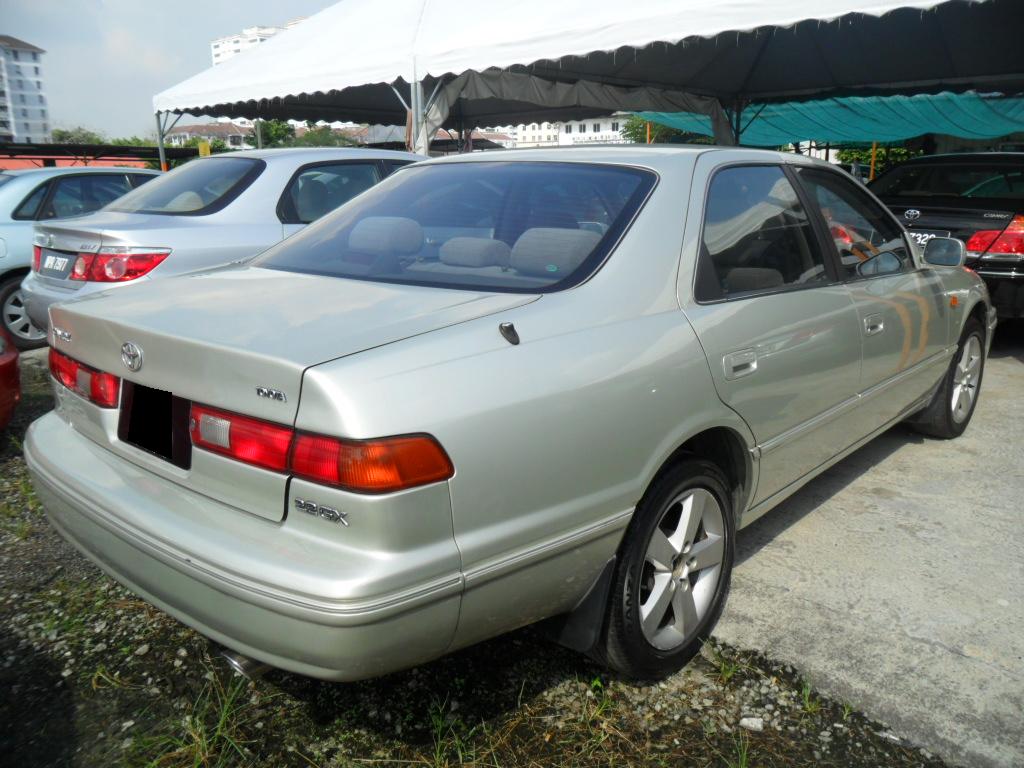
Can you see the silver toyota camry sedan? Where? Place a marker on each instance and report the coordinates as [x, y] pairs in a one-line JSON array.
[[496, 389], [203, 214]]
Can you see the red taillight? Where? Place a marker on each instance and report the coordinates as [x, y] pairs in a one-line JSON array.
[[101, 388], [240, 437], [37, 257], [115, 267], [371, 466], [365, 466], [1002, 242]]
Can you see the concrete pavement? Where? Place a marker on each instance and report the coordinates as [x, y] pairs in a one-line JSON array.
[[895, 581]]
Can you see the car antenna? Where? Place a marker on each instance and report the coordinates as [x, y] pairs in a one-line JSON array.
[[508, 330]]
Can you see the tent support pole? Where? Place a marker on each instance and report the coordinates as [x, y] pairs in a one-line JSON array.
[[259, 134], [160, 143], [874, 153]]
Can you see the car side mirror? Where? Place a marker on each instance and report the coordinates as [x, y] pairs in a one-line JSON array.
[[945, 252]]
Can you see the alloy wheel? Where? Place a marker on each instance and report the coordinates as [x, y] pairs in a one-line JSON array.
[[966, 377], [16, 319], [681, 569]]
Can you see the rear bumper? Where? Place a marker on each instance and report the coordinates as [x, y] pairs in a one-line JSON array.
[[1006, 289], [92, 497], [39, 295]]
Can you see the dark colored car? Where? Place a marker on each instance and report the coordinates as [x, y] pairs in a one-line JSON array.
[[976, 197], [10, 381]]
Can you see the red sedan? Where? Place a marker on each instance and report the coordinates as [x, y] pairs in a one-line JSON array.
[[10, 382]]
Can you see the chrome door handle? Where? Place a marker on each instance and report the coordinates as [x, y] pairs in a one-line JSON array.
[[873, 324], [738, 364]]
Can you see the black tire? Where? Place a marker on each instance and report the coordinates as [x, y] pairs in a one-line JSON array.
[[625, 647], [9, 287], [939, 419]]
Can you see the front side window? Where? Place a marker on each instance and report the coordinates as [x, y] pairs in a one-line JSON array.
[[866, 239], [322, 188], [522, 227], [197, 188], [757, 236]]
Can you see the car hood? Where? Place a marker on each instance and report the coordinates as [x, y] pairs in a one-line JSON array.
[[217, 336]]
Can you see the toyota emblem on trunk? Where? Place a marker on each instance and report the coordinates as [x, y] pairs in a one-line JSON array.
[[912, 214], [131, 356]]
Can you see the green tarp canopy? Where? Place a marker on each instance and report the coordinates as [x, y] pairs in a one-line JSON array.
[[864, 119]]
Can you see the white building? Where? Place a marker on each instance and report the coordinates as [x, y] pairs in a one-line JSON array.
[[595, 130], [24, 113], [223, 48]]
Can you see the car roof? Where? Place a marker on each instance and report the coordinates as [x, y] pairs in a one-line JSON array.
[[69, 169], [644, 155], [293, 154], [987, 158]]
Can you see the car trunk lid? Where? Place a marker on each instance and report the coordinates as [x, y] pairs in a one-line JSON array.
[[236, 339]]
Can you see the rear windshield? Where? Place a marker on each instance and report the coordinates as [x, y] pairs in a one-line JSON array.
[[196, 188], [919, 180], [505, 226]]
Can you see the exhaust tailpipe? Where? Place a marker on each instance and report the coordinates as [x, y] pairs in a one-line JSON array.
[[243, 665]]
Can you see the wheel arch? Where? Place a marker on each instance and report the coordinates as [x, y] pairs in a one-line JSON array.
[[21, 271]]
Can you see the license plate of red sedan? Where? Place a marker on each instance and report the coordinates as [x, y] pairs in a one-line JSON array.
[[55, 263], [922, 236]]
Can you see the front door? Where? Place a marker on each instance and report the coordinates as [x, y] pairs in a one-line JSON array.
[[781, 334]]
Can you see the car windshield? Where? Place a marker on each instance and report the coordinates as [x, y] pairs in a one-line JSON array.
[[917, 180], [196, 188], [494, 225]]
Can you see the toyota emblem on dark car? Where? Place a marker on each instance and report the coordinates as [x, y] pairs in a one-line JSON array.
[[912, 214]]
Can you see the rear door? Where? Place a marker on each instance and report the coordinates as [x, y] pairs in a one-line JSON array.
[[780, 331], [317, 189], [900, 305]]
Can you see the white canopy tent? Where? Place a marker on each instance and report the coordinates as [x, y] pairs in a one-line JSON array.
[[452, 64]]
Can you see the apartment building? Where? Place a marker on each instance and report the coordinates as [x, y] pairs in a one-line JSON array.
[[223, 48], [24, 112]]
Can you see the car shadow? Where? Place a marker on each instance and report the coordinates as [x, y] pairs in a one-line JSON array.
[[37, 713], [1008, 341]]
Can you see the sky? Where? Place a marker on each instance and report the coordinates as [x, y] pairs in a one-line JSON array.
[[105, 59]]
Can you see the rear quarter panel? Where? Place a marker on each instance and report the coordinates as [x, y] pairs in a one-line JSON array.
[[554, 440]]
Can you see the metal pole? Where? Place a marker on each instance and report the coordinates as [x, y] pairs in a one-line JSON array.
[[874, 152], [259, 134], [160, 143]]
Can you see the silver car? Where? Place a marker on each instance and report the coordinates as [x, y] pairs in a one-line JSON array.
[[208, 212], [496, 389], [46, 194]]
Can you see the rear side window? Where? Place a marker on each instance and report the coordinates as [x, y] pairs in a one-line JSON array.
[[866, 239], [320, 189], [967, 180], [138, 179], [757, 236], [75, 195], [390, 166], [30, 205], [197, 188], [506, 226]]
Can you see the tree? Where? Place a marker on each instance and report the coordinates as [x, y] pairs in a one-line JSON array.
[[275, 133], [635, 130], [321, 136], [77, 135], [885, 157]]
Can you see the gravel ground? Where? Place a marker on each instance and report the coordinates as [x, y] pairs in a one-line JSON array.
[[97, 677]]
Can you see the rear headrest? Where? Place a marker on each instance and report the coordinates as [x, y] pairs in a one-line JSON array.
[[392, 235], [189, 200], [311, 201], [475, 252], [751, 279], [551, 252]]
